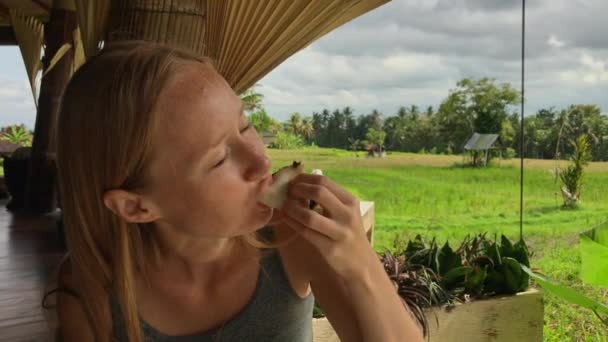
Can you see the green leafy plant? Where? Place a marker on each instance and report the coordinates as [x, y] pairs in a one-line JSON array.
[[417, 285], [262, 122], [478, 268], [572, 175], [569, 295], [17, 135], [594, 271], [594, 256], [428, 275]]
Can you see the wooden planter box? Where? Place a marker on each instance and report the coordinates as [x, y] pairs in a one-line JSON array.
[[516, 318]]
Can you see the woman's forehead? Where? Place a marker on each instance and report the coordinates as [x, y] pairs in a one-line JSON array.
[[197, 105]]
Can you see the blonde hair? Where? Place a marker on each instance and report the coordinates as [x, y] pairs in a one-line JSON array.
[[103, 142]]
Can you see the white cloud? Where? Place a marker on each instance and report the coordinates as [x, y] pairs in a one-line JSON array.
[[413, 52], [555, 42], [590, 70], [595, 68], [16, 103]]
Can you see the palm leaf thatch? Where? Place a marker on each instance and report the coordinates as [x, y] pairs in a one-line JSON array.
[[92, 18], [29, 32], [246, 39]]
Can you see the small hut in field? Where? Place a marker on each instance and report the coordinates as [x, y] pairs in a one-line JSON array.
[[478, 148]]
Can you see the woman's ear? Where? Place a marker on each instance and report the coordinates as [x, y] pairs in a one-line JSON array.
[[131, 207]]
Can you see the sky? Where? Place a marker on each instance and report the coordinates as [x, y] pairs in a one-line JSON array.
[[413, 52]]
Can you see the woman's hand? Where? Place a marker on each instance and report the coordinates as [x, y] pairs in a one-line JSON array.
[[338, 232], [338, 235]]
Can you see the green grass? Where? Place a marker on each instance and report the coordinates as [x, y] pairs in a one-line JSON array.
[[428, 195]]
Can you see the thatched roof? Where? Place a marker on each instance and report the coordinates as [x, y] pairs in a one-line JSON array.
[[247, 39], [7, 147], [36, 8]]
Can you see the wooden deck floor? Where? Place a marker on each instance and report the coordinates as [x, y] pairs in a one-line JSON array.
[[29, 251]]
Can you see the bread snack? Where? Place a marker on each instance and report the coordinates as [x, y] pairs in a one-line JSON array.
[[276, 195]]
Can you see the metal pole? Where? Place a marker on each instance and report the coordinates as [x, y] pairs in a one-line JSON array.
[[521, 128]]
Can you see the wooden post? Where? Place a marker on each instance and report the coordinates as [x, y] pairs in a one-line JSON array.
[[368, 217], [40, 196]]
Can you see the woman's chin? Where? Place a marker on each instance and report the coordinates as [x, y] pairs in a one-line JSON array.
[[264, 212], [261, 216]]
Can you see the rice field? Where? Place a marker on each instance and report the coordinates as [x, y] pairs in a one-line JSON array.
[[435, 196]]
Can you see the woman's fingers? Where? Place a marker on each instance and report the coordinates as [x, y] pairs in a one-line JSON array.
[[312, 220], [319, 240], [344, 196], [327, 199]]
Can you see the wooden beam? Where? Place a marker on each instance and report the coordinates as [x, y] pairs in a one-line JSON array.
[[42, 5], [7, 36], [4, 12]]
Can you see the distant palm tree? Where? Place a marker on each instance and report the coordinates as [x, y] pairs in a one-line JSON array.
[[294, 124], [307, 130], [252, 100]]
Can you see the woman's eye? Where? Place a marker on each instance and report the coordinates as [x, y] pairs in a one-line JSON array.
[[220, 162], [246, 128], [223, 159]]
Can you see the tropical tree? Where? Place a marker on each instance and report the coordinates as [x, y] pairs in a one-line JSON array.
[[307, 129], [320, 122], [356, 145], [252, 99], [294, 124], [474, 106], [587, 119], [376, 138], [563, 127], [262, 122]]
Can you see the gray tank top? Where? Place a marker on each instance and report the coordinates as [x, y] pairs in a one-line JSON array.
[[275, 313]]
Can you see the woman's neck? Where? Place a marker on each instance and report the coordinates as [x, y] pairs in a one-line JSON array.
[[200, 260]]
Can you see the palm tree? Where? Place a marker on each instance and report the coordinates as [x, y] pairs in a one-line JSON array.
[[306, 128], [252, 100], [294, 124]]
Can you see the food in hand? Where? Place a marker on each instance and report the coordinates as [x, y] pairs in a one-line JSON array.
[[276, 195]]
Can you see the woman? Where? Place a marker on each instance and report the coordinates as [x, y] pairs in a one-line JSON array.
[[160, 175]]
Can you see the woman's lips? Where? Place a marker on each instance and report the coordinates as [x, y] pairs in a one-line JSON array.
[[265, 186], [266, 183]]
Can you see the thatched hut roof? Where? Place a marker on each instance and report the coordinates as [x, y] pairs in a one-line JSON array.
[[247, 39]]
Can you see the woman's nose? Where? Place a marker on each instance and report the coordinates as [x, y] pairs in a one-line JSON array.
[[258, 163]]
